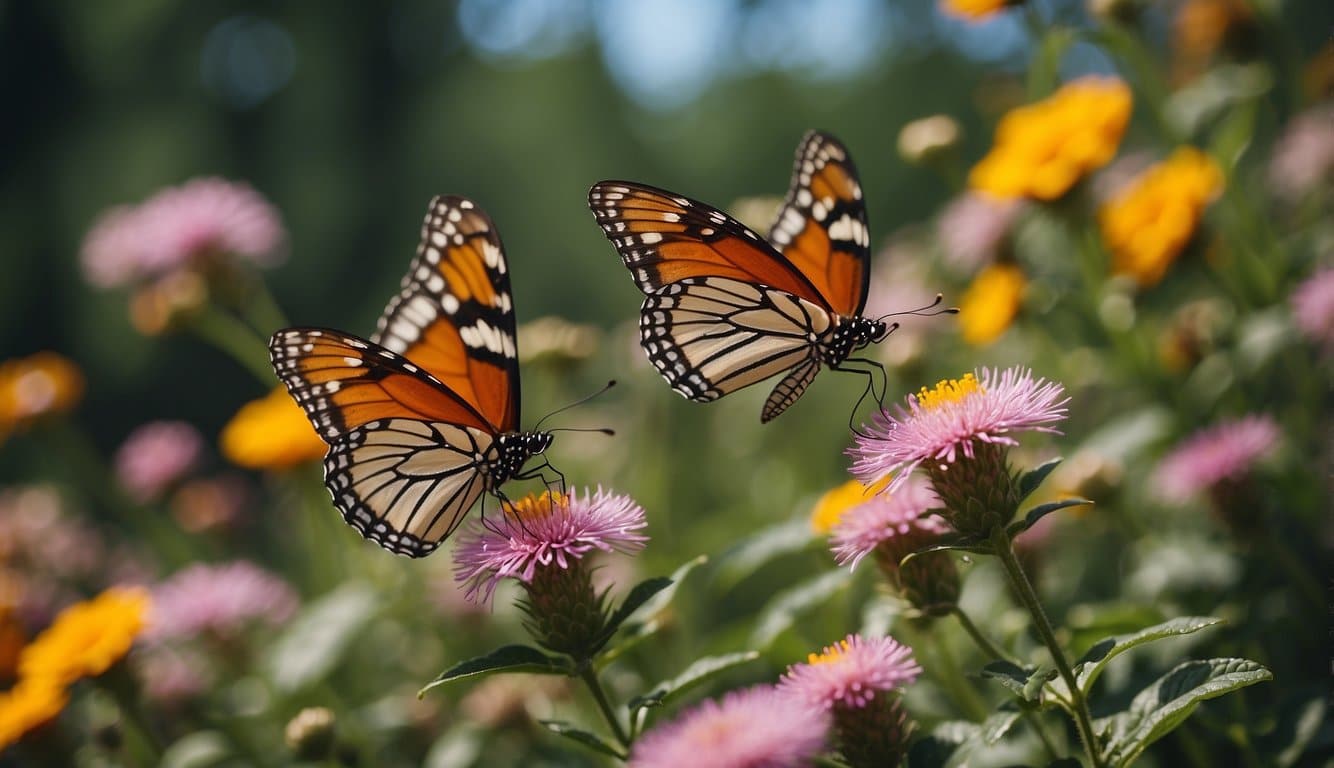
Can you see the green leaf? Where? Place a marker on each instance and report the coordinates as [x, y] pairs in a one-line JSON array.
[[996, 726], [590, 740], [509, 658], [1042, 510], [200, 749], [640, 594], [782, 611], [636, 631], [957, 544], [1024, 682], [696, 673], [761, 547], [1029, 481], [314, 642], [1092, 663], [1164, 705]]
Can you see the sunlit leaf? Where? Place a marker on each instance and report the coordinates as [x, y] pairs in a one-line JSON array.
[[1092, 663], [1029, 481], [1042, 510], [196, 750], [315, 641], [693, 675], [509, 658], [1164, 705]]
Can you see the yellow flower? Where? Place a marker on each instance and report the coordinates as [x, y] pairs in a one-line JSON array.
[[1204, 27], [87, 638], [831, 507], [35, 386], [989, 306], [31, 703], [1148, 223], [270, 433], [1042, 149], [975, 10]]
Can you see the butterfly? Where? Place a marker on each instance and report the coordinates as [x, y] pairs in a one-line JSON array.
[[725, 308], [422, 418]]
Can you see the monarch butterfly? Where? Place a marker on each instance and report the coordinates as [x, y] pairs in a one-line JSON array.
[[725, 308], [422, 418]]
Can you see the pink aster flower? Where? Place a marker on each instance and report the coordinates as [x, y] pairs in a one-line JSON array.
[[852, 672], [536, 533], [972, 229], [178, 226], [219, 599], [759, 727], [155, 456], [882, 518], [1304, 155], [1313, 308], [1224, 452]]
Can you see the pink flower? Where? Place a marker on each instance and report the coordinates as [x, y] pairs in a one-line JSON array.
[[1222, 452], [973, 227], [866, 526], [1304, 155], [1313, 307], [852, 672], [171, 675], [180, 225], [949, 421], [155, 456], [219, 599], [537, 532], [758, 727]]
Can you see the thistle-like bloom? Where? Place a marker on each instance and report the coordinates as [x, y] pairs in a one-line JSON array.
[[87, 638], [270, 433], [836, 502], [990, 304], [219, 600], [1224, 452], [759, 727], [31, 703], [155, 456], [1150, 221], [1042, 149], [35, 386], [959, 432], [1303, 157], [180, 226], [1313, 308], [858, 682]]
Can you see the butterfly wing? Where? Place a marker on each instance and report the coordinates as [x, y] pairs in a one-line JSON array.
[[821, 227], [709, 336], [454, 316], [664, 238], [404, 451]]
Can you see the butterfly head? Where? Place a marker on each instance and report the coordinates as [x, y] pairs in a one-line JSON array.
[[850, 335], [515, 449]]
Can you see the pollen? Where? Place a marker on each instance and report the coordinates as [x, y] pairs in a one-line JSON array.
[[533, 507], [831, 653], [948, 391]]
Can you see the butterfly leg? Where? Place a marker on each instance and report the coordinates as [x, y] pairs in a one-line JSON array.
[[551, 484], [870, 374]]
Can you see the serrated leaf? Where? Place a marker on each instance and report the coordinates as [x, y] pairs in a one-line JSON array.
[[696, 673], [753, 552], [1042, 510], [314, 642], [782, 611], [1092, 663], [586, 738], [1030, 480], [508, 658], [1160, 708]]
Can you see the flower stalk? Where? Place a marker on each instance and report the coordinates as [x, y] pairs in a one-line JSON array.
[[594, 685]]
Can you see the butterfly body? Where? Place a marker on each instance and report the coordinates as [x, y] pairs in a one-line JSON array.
[[422, 418], [725, 308]]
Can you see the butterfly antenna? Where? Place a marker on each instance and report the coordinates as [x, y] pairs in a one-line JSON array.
[[601, 430], [580, 401], [930, 310]]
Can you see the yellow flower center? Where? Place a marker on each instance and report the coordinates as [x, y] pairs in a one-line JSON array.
[[831, 654], [948, 391], [836, 502], [533, 507]]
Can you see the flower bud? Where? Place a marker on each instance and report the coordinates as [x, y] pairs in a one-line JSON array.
[[310, 735]]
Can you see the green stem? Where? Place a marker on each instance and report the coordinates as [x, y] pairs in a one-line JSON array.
[[1004, 550], [960, 690], [1297, 571], [983, 642], [996, 653], [590, 679], [229, 334], [262, 310]]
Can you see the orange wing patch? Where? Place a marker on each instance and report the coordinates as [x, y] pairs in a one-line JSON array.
[[343, 383]]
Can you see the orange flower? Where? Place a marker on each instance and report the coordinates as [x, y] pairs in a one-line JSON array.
[[989, 306], [35, 386], [975, 10], [87, 638], [29, 704], [270, 433], [1148, 223], [1042, 149], [1203, 27]]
